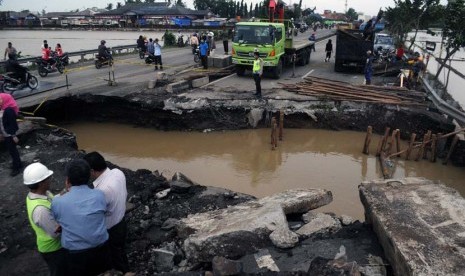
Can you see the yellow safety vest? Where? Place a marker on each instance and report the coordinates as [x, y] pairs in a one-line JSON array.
[[256, 65], [45, 243]]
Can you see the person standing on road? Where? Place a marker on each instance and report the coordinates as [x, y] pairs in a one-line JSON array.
[[9, 50], [204, 53], [81, 214], [368, 68], [225, 38], [257, 71], [328, 50], [8, 128], [112, 183], [313, 38], [37, 178], [194, 42], [157, 53], [151, 47]]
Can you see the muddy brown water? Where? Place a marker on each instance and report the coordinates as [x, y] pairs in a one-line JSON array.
[[242, 160]]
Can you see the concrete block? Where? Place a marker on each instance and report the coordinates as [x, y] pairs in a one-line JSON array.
[[210, 61], [222, 61], [419, 223], [152, 84], [200, 82], [177, 86]]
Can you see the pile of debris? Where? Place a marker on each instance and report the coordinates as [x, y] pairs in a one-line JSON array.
[[343, 91]]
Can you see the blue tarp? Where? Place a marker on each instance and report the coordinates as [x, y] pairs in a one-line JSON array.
[[378, 27], [182, 22]]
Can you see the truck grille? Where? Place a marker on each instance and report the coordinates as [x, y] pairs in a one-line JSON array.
[[250, 54]]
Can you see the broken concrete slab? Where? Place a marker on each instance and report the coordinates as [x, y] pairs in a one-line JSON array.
[[200, 82], [419, 223], [244, 228], [222, 61], [223, 266], [284, 238], [177, 86], [318, 223]]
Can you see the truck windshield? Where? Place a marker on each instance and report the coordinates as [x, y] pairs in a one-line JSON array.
[[383, 40], [254, 34]]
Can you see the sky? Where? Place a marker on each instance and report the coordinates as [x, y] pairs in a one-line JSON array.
[[369, 7]]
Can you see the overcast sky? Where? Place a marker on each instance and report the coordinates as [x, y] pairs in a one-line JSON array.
[[369, 7]]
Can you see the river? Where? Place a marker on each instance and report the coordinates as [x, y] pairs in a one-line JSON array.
[[242, 160]]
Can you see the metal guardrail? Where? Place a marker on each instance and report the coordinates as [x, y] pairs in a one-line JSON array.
[[80, 53], [443, 106]]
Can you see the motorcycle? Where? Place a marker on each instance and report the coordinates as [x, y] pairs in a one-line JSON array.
[[12, 84], [181, 42], [141, 52], [101, 60], [150, 58], [64, 59], [384, 55], [197, 54], [44, 68]]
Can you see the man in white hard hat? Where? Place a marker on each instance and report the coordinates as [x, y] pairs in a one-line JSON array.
[[37, 177]]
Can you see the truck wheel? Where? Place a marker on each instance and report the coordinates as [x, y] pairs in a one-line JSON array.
[[338, 66], [240, 70], [303, 57], [276, 71], [309, 53]]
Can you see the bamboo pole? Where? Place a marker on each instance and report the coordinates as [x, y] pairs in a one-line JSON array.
[[398, 141], [434, 148], [451, 150], [281, 124], [428, 138], [382, 142], [422, 148], [390, 141], [410, 145], [366, 146]]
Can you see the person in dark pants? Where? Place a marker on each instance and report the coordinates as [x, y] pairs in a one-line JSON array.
[[368, 68], [112, 183], [8, 128], [157, 53], [204, 53], [37, 178], [257, 71], [225, 38], [328, 50], [81, 214]]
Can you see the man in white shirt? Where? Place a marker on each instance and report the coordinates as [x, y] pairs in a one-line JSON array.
[[112, 183]]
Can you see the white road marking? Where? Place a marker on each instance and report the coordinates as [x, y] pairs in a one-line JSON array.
[[227, 77], [306, 75]]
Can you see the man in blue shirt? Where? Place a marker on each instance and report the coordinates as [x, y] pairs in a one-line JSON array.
[[204, 53], [81, 214]]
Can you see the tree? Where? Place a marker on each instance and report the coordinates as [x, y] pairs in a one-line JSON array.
[[109, 6], [453, 32], [351, 14], [205, 4], [180, 3], [250, 10], [119, 5]]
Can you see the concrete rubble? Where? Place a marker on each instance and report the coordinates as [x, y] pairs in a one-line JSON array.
[[419, 223], [246, 227]]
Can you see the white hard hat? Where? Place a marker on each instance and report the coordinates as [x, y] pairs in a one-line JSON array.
[[211, 34], [35, 173]]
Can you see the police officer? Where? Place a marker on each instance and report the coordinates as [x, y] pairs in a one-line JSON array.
[[257, 73]]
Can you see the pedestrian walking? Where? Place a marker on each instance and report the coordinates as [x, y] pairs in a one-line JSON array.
[[8, 128], [157, 53], [112, 183], [204, 53], [368, 68], [257, 71], [328, 50], [37, 178], [81, 214], [9, 50]]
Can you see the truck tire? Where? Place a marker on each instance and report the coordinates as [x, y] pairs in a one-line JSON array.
[[303, 58], [240, 70], [338, 66], [309, 53], [276, 71]]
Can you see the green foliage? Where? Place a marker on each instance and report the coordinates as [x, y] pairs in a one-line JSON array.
[[109, 6], [351, 14], [180, 3], [169, 39], [119, 5]]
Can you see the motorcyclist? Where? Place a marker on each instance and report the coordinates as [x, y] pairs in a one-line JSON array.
[[194, 42], [46, 56], [141, 43], [58, 50], [103, 51], [17, 70]]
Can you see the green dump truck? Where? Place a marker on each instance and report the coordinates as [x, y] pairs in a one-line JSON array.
[[276, 48]]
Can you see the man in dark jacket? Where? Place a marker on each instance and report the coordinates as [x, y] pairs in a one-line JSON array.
[[18, 71]]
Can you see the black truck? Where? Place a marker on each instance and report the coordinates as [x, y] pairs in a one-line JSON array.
[[351, 50]]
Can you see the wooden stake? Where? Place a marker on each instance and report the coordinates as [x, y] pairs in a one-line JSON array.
[[398, 142], [428, 138], [281, 124], [410, 145], [366, 146], [384, 167], [422, 148], [382, 142], [273, 133], [391, 141], [451, 150], [434, 148]]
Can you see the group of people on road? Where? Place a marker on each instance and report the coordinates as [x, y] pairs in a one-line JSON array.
[[152, 48], [82, 230]]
